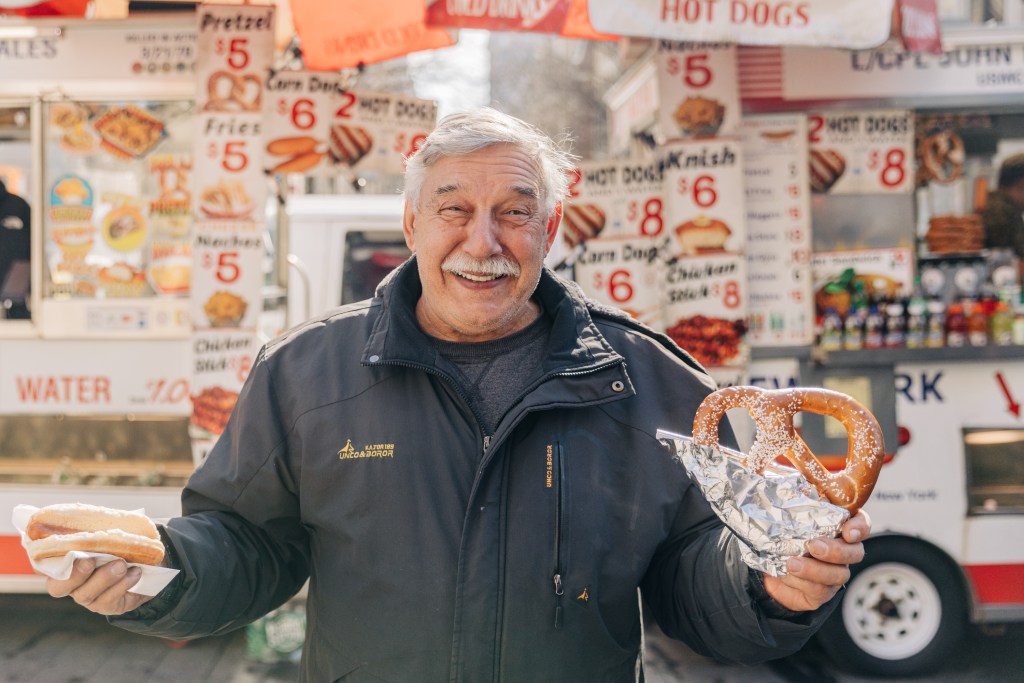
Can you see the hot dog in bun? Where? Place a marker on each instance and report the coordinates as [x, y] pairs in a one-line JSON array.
[[55, 530]]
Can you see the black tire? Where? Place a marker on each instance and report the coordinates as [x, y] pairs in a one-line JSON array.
[[902, 614]]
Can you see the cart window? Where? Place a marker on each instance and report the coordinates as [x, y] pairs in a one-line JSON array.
[[995, 470], [369, 256], [15, 240], [117, 199]]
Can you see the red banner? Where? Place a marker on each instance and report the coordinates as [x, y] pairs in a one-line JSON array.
[[336, 34], [48, 8], [916, 24], [540, 16]]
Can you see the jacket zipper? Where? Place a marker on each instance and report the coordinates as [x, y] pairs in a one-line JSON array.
[[559, 470]]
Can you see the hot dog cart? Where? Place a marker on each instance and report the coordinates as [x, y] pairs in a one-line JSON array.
[[899, 150]]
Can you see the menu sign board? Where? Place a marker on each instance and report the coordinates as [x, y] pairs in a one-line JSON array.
[[697, 89], [837, 23], [704, 196], [778, 249], [378, 131], [235, 51], [614, 199], [704, 304], [861, 152], [314, 125], [297, 113], [626, 273]]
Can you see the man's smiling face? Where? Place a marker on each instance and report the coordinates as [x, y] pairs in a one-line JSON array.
[[480, 234]]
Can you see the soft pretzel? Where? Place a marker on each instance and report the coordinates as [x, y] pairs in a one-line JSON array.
[[942, 156], [773, 411]]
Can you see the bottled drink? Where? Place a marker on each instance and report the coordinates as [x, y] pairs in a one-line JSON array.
[[977, 325], [1018, 322], [935, 328], [956, 326], [831, 331], [874, 328], [895, 325], [917, 319], [1000, 325], [853, 331]]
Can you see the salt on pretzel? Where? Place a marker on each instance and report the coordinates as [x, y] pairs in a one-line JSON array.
[[233, 92], [773, 411]]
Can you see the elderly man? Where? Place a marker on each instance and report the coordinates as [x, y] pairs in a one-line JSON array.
[[465, 467]]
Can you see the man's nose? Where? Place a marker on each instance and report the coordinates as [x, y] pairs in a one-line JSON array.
[[482, 236]]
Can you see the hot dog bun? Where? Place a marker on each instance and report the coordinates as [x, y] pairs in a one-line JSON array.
[[55, 530]]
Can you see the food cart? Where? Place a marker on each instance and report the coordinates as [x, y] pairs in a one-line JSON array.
[[94, 404], [897, 150]]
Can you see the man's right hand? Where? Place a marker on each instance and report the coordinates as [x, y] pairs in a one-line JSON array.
[[103, 590]]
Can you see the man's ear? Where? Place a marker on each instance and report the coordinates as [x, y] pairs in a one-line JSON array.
[[408, 217], [552, 227]]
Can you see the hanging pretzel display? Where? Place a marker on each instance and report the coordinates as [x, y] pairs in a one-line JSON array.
[[773, 411]]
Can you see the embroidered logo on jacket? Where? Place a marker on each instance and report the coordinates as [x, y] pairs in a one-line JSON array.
[[373, 450]]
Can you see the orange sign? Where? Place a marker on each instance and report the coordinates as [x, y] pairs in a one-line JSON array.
[[336, 34], [577, 24]]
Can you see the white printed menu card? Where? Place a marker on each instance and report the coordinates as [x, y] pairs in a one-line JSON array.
[[780, 305], [703, 196], [698, 90], [861, 152]]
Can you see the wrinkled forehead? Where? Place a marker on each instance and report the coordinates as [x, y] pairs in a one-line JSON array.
[[496, 168]]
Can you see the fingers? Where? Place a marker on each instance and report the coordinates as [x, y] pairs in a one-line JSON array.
[[857, 528], [81, 570], [103, 590]]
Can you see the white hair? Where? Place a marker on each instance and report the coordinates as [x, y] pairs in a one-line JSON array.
[[468, 132]]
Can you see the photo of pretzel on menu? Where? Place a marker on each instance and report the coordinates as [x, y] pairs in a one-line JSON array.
[[230, 92]]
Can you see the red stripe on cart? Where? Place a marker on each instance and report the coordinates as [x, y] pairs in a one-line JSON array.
[[13, 559], [997, 584]]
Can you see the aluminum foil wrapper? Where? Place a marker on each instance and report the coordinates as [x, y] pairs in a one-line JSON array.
[[773, 514]]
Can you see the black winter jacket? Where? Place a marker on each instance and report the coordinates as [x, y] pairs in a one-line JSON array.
[[436, 554]]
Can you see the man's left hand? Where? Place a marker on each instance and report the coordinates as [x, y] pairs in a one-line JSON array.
[[815, 578]]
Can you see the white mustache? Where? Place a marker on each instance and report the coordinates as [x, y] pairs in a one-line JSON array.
[[496, 266]]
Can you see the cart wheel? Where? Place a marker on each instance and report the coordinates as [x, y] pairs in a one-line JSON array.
[[903, 612]]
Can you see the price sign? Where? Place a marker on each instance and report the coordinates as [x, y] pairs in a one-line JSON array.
[[614, 199], [93, 377], [866, 152], [781, 311], [704, 206], [704, 307], [297, 115], [234, 49], [377, 130], [698, 89], [227, 275], [222, 360], [625, 273]]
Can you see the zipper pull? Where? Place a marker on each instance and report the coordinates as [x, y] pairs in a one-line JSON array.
[[487, 443], [559, 591]]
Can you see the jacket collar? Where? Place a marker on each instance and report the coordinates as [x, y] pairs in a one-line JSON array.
[[575, 345]]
